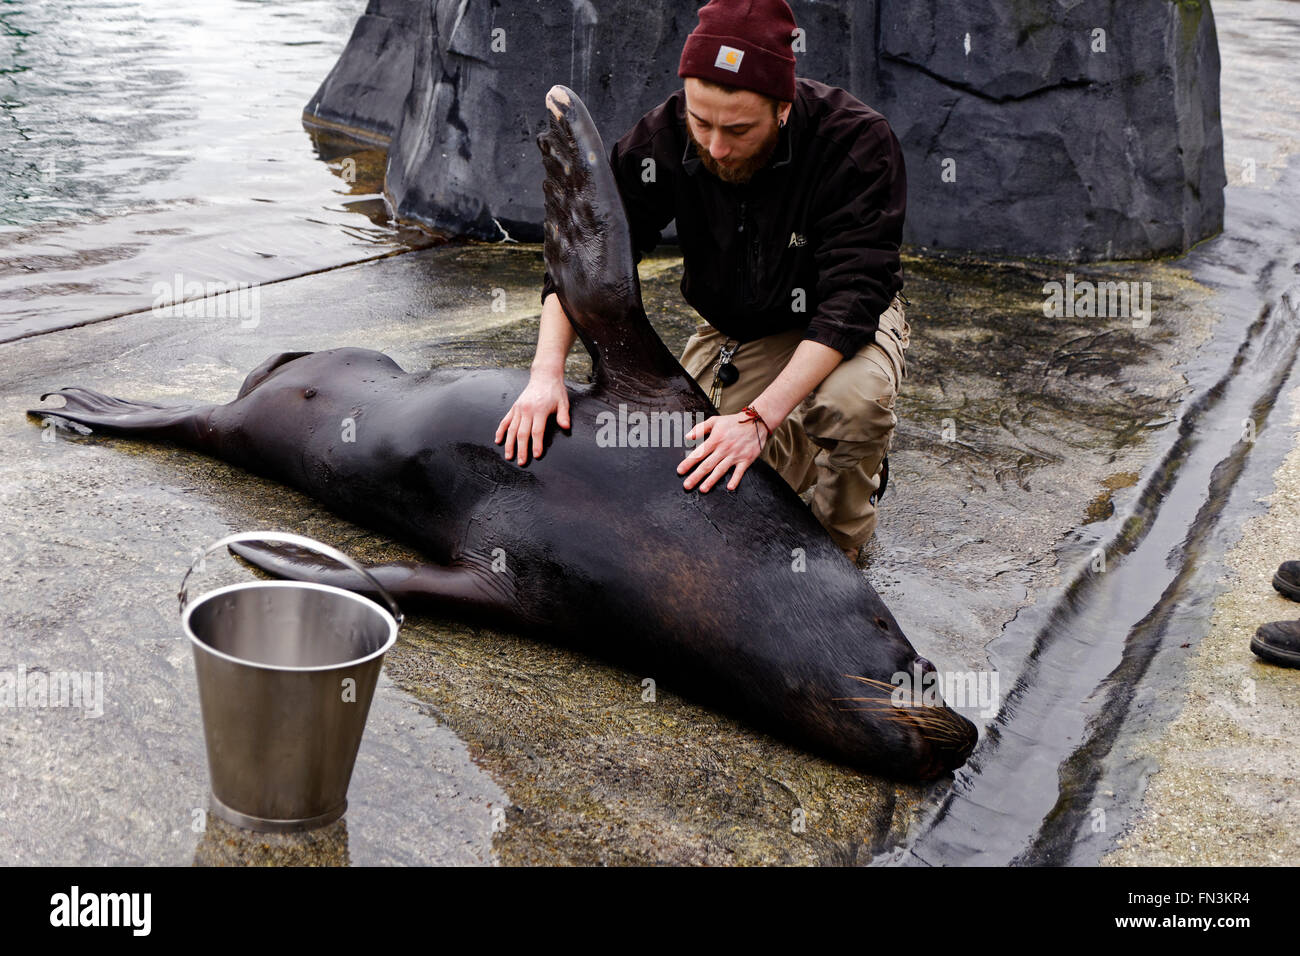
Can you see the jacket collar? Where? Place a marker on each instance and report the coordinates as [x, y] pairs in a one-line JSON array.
[[786, 138]]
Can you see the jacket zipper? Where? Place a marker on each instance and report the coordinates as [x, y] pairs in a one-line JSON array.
[[745, 291]]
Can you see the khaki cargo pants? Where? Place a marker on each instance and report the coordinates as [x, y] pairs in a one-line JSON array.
[[833, 441]]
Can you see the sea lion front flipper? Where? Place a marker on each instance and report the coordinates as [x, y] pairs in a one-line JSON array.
[[264, 371], [456, 588], [588, 252]]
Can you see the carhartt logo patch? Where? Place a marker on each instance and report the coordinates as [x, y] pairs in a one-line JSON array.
[[729, 58], [797, 240]]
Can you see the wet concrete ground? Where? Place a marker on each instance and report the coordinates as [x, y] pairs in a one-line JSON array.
[[1225, 791], [97, 532], [1098, 663]]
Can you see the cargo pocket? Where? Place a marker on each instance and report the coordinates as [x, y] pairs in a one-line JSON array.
[[894, 336], [700, 352]]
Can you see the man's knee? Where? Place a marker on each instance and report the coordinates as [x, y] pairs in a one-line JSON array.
[[855, 408]]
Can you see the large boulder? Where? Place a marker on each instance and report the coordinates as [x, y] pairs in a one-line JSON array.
[[1072, 129], [1068, 129], [363, 94]]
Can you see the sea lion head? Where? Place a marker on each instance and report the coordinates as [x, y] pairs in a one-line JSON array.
[[894, 700]]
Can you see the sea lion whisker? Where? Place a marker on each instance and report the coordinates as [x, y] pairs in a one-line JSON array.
[[873, 682]]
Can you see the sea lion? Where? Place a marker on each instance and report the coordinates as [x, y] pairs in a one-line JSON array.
[[737, 598]]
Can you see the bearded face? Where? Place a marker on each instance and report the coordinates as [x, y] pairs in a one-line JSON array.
[[737, 170], [735, 132]]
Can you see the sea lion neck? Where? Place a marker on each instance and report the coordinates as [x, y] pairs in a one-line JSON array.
[[588, 252]]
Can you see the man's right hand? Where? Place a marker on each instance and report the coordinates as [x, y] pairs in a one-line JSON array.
[[544, 396]]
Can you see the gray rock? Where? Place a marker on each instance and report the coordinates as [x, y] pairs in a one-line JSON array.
[[363, 94], [1044, 136], [1062, 147]]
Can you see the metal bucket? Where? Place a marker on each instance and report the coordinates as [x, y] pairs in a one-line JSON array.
[[286, 671]]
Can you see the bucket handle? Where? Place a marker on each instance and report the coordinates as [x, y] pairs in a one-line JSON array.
[[299, 541]]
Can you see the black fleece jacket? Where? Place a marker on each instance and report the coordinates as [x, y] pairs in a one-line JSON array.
[[811, 241]]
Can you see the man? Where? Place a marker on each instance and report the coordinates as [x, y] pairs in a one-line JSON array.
[[789, 197]]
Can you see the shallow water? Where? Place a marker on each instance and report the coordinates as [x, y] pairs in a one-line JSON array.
[[145, 139]]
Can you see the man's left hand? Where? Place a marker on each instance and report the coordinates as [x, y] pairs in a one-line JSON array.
[[732, 442]]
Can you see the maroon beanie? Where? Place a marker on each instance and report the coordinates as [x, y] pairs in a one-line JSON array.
[[743, 43]]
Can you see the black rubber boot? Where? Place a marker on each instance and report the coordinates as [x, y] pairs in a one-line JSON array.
[[1287, 580], [1278, 643]]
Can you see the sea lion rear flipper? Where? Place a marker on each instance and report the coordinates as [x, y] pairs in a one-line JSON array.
[[123, 416], [454, 588], [588, 251]]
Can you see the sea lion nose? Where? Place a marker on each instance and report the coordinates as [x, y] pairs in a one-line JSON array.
[[924, 665]]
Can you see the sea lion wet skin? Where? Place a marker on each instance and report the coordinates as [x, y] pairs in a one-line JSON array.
[[589, 546]]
